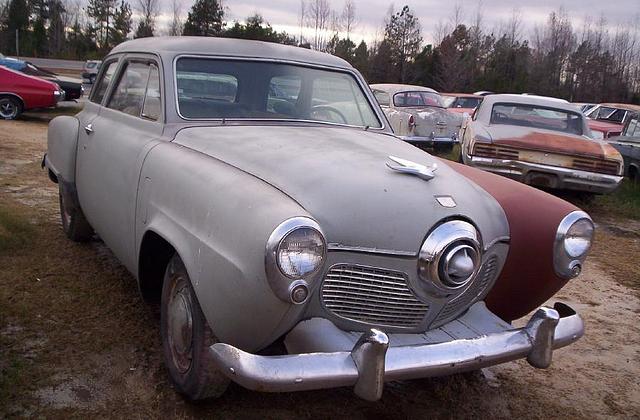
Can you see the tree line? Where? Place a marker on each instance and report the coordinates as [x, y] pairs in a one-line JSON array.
[[593, 63]]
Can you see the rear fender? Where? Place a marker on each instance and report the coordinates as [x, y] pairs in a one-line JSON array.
[[62, 147]]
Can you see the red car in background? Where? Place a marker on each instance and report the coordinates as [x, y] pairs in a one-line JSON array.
[[461, 102], [608, 120], [20, 92]]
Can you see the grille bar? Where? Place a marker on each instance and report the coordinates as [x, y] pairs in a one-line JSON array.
[[372, 295]]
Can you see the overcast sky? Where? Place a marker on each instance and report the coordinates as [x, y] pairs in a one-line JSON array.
[[284, 14]]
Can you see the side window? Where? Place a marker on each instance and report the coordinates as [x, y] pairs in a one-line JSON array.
[[152, 107], [101, 85], [283, 95], [129, 93], [382, 97]]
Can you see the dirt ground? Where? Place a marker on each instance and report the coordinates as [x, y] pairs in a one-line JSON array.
[[76, 340]]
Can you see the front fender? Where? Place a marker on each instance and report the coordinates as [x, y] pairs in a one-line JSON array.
[[528, 278], [219, 218], [62, 147]]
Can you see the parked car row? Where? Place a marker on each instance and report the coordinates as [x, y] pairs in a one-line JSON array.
[[72, 87], [258, 193]]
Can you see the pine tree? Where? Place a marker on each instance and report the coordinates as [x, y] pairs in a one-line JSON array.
[[204, 19]]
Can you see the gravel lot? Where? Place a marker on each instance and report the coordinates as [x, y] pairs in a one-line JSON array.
[[76, 340]]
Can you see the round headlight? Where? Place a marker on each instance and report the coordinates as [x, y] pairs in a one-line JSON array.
[[301, 252], [577, 241], [573, 241]]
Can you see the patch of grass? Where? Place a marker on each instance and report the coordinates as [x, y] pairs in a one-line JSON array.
[[625, 201], [15, 230]]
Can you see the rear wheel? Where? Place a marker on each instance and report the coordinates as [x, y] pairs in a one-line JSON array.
[[186, 337], [10, 108], [92, 79], [74, 224]]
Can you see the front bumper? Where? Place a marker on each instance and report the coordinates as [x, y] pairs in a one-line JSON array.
[[430, 140], [480, 339], [548, 176]]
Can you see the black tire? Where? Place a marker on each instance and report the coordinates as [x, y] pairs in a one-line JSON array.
[[10, 108], [74, 224], [92, 79], [187, 357]]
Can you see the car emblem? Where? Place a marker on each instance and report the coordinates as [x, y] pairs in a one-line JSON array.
[[408, 167], [445, 201]]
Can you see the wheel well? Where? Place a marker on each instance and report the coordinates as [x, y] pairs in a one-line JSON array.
[[14, 97], [155, 253], [633, 173]]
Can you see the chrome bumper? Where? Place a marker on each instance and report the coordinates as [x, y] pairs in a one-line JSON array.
[[430, 140], [553, 176], [374, 359]]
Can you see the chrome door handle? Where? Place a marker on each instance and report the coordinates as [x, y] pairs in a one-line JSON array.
[[88, 128]]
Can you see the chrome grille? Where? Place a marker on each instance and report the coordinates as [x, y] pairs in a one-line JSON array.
[[372, 295], [485, 277]]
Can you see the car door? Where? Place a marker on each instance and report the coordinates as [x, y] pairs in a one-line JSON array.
[[112, 151]]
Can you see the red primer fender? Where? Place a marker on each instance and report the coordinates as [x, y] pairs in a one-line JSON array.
[[528, 278]]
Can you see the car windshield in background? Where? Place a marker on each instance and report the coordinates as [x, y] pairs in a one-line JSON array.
[[463, 102], [417, 99], [606, 113], [537, 117], [238, 89]]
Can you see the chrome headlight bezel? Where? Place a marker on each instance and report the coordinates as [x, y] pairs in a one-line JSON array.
[[437, 251], [568, 265], [285, 286]]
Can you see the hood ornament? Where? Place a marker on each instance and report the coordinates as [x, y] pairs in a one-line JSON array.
[[408, 167]]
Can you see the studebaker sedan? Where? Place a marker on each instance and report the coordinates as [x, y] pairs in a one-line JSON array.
[[628, 144], [418, 115], [256, 191], [539, 141]]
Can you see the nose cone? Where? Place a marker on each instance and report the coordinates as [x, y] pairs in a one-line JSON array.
[[461, 265]]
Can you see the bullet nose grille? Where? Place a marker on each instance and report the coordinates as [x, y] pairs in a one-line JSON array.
[[372, 295]]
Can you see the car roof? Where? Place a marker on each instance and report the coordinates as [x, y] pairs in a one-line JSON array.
[[393, 88], [195, 45], [628, 107], [529, 100], [462, 95]]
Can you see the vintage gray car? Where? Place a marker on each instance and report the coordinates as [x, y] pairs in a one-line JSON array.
[[294, 243], [540, 141], [418, 115]]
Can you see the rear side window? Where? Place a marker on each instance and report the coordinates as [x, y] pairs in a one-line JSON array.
[[152, 103], [634, 128], [103, 83], [129, 93]]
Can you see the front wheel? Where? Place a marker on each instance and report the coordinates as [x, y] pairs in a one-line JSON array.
[[186, 337], [74, 224], [10, 108]]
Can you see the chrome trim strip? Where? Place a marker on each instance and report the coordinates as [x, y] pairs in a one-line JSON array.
[[548, 329], [349, 248], [363, 87]]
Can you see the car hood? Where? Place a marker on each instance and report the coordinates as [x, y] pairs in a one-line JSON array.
[[340, 177], [547, 141]]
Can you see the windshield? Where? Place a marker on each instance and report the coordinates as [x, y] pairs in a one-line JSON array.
[[462, 102], [607, 113], [537, 117], [417, 99], [238, 89]]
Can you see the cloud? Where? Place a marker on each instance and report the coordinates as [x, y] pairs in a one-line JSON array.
[[284, 14]]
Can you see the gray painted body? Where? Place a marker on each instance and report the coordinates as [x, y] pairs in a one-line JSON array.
[[430, 121], [216, 190]]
